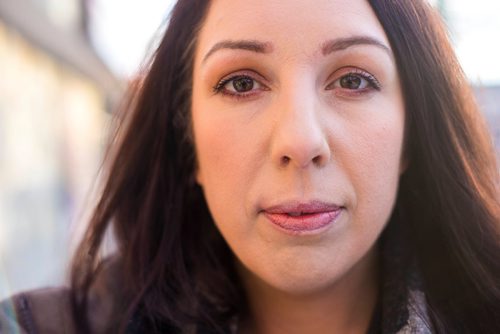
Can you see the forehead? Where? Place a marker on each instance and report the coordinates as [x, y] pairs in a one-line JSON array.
[[290, 25]]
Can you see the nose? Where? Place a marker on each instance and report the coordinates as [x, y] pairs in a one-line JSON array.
[[299, 137]]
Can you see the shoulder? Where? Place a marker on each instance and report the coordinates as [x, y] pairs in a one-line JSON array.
[[38, 311], [49, 310]]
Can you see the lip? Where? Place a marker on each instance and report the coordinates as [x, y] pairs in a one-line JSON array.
[[302, 217]]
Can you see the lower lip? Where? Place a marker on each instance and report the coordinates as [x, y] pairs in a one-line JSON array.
[[303, 224]]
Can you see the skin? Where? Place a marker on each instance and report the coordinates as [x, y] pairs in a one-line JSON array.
[[299, 132]]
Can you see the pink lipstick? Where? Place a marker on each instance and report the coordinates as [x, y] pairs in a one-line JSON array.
[[299, 217]]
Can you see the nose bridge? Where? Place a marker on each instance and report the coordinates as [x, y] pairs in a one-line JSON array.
[[299, 137]]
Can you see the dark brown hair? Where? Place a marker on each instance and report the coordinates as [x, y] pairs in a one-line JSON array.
[[177, 270]]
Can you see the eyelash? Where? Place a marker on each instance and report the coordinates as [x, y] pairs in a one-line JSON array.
[[355, 72]]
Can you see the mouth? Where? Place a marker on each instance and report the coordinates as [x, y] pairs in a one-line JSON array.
[[303, 217]]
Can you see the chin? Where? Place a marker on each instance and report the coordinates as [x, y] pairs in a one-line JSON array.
[[300, 272], [299, 277], [301, 286]]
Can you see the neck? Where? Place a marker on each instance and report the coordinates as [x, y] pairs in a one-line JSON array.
[[344, 307]]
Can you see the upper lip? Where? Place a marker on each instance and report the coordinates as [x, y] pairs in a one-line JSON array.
[[300, 207]]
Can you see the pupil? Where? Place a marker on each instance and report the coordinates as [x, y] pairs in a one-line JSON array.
[[350, 82], [243, 84]]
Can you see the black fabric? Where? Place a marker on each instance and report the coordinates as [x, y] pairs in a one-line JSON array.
[[396, 259]]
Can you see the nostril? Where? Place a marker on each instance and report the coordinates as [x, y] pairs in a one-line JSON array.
[[285, 160], [317, 160]]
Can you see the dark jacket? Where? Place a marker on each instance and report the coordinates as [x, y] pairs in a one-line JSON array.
[[48, 311]]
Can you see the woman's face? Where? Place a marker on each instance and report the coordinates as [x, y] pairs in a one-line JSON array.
[[298, 125]]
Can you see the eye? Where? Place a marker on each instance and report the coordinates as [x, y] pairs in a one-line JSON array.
[[355, 81], [239, 85], [351, 81]]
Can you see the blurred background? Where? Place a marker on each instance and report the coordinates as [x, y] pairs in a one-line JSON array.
[[64, 66]]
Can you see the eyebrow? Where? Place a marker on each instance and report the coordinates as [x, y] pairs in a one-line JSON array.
[[328, 47], [249, 45], [340, 44]]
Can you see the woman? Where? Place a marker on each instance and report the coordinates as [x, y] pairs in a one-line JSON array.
[[288, 168]]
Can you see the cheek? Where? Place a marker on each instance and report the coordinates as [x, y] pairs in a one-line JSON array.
[[228, 160], [215, 151], [375, 170], [226, 150]]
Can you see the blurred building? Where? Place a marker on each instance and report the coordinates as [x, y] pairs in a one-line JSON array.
[[55, 94], [468, 29]]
